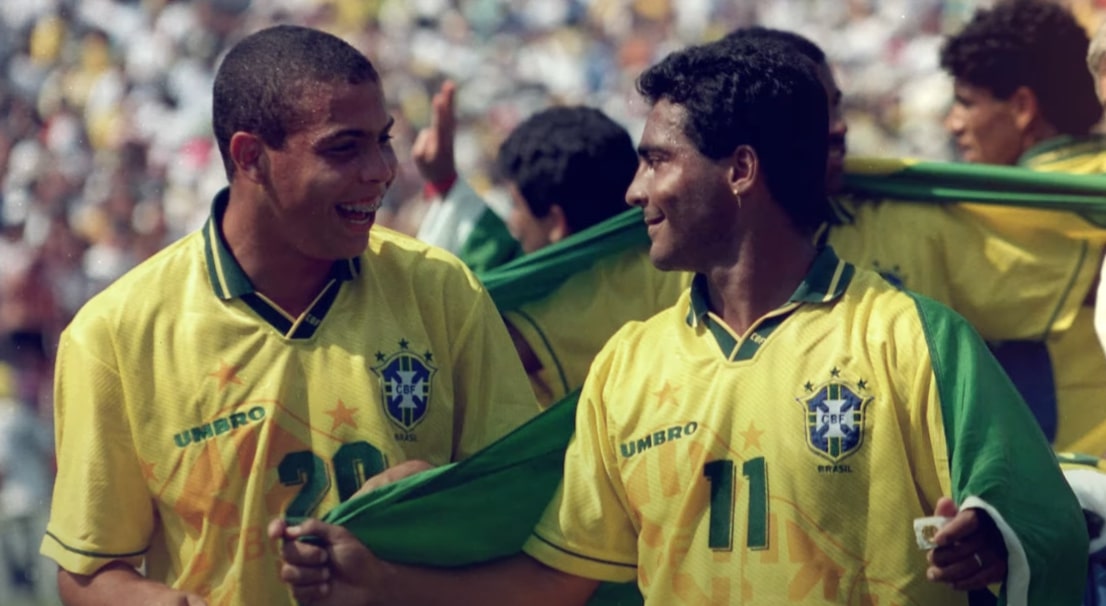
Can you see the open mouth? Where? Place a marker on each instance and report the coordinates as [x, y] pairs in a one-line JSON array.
[[359, 213]]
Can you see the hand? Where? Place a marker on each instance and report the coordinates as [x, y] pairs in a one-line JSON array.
[[180, 598], [432, 151], [970, 553], [340, 571], [394, 473]]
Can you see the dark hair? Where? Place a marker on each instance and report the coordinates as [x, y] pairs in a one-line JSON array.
[[762, 94], [574, 157], [1038, 45], [795, 41], [262, 78]]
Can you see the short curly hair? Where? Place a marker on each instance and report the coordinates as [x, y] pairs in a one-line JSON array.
[[761, 93], [1028, 43], [574, 157]]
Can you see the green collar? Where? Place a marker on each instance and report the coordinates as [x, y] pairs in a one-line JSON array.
[[227, 278], [1062, 148], [827, 280]]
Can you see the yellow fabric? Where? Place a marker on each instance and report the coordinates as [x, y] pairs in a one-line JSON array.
[[186, 421], [1010, 283], [567, 328], [661, 402]]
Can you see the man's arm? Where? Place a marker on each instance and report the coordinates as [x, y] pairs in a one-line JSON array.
[[336, 569], [120, 585]]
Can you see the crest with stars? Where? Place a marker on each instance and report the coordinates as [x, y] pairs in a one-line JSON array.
[[835, 416], [405, 382]]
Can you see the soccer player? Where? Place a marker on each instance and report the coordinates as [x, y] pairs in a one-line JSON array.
[[771, 437], [567, 169], [1023, 97], [269, 363], [1015, 286]]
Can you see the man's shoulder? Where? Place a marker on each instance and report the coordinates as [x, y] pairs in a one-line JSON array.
[[159, 276], [398, 258]]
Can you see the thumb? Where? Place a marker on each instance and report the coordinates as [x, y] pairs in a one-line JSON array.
[[945, 507], [317, 531], [195, 600]]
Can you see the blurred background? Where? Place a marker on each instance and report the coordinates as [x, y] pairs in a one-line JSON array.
[[106, 153]]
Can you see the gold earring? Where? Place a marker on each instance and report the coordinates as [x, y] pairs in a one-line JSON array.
[[738, 196]]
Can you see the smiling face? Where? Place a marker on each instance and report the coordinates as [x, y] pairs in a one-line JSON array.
[[984, 127], [685, 196], [325, 184]]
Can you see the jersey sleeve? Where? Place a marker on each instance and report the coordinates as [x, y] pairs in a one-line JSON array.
[[449, 220], [492, 394], [587, 529], [101, 508], [569, 326], [1000, 462]]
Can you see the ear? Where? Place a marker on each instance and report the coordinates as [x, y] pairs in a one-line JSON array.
[[248, 154], [557, 224], [1025, 107], [744, 169]]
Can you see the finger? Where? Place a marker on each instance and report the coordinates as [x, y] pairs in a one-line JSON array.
[[300, 553], [393, 474], [955, 571], [444, 116], [276, 528], [301, 575], [988, 575], [960, 550], [311, 593], [945, 507], [328, 533], [959, 528], [420, 148]]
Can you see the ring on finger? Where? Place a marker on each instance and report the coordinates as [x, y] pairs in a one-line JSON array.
[[978, 560]]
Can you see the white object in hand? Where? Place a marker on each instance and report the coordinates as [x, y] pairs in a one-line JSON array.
[[925, 529]]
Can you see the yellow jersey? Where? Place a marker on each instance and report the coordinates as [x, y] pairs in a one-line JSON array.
[[786, 465], [190, 410], [569, 326]]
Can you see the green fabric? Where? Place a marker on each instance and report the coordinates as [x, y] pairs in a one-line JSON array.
[[983, 183], [997, 453], [479, 509], [489, 245], [537, 274]]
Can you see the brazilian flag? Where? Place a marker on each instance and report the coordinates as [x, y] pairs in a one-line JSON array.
[[484, 507]]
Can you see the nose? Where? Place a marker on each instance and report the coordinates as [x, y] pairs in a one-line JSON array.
[[635, 194], [379, 164], [954, 123]]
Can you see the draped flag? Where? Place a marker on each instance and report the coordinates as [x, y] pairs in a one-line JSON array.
[[484, 507]]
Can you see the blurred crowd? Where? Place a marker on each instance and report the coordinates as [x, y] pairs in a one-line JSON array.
[[106, 153]]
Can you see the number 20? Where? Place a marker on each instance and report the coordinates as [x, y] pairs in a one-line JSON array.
[[353, 464], [721, 476]]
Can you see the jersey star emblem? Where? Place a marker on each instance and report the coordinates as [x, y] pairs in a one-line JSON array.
[[226, 375], [752, 435], [342, 416], [380, 356], [403, 343], [836, 372], [809, 386], [862, 384], [147, 470], [666, 394]]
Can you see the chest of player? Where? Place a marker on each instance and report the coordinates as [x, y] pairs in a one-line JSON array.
[[290, 415]]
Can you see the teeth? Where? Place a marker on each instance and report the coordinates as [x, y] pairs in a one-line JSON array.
[[360, 208]]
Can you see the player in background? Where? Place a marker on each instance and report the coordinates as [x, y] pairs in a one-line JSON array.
[[269, 363], [818, 382], [567, 169], [1023, 97], [1014, 285]]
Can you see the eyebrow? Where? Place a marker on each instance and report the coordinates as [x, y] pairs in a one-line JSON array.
[[647, 149], [354, 132]]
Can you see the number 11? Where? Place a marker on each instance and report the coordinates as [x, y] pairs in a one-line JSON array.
[[720, 474]]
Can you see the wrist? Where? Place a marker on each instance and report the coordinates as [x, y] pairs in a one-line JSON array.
[[440, 187]]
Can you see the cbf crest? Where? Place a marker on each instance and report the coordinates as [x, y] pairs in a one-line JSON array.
[[406, 379], [835, 417]]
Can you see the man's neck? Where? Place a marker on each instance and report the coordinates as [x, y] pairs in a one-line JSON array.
[[768, 270], [276, 269]]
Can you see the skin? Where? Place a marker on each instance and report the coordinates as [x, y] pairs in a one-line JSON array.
[[990, 130], [533, 232], [297, 208], [432, 151]]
